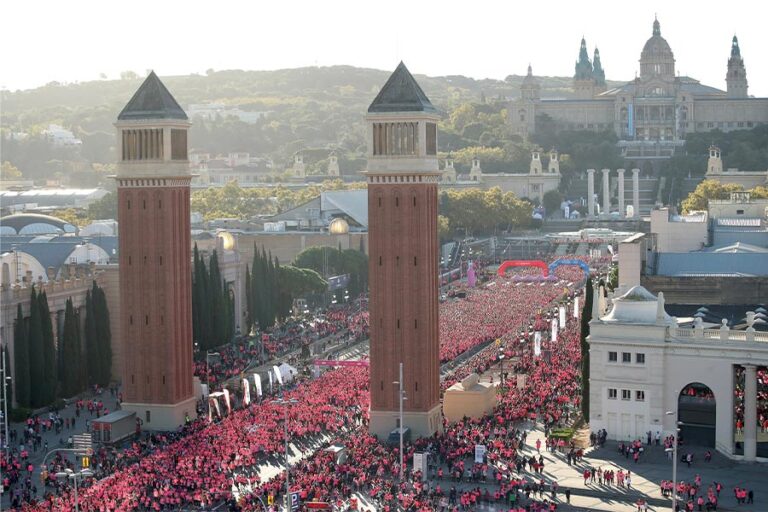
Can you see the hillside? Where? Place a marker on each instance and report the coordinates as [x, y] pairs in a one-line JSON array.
[[306, 108]]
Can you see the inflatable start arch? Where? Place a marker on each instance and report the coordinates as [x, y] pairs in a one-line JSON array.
[[523, 263], [566, 261]]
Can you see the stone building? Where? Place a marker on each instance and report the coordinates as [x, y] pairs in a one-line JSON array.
[[644, 366], [652, 113], [533, 184]]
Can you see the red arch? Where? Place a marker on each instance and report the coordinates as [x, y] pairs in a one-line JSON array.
[[524, 263]]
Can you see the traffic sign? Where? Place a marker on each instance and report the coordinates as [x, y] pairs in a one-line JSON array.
[[86, 462], [294, 501]]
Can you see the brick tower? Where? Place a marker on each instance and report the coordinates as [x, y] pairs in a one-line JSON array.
[[402, 175], [155, 282]]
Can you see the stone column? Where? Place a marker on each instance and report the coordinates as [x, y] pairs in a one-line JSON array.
[[750, 412], [636, 192], [606, 192], [622, 209], [591, 193]]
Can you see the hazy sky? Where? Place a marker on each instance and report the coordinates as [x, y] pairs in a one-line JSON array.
[[51, 40]]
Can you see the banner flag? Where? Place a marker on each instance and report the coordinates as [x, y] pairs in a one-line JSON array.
[[246, 392], [562, 315], [537, 344], [278, 375], [576, 307], [257, 382], [554, 330], [226, 400]]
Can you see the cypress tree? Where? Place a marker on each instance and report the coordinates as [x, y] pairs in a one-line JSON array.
[[50, 372], [196, 331], [104, 334], [92, 358], [81, 367], [248, 301], [21, 360], [71, 368], [586, 316], [204, 305], [218, 328], [36, 356]]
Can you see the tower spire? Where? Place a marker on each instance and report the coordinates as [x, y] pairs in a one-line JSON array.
[[736, 77], [656, 26]]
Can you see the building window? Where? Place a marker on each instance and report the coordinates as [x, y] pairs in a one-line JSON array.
[[613, 357], [626, 357], [147, 416], [178, 144], [640, 358], [640, 396], [626, 394], [612, 393]]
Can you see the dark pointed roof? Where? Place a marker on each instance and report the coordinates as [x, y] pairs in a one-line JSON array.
[[401, 93], [735, 51], [152, 101]]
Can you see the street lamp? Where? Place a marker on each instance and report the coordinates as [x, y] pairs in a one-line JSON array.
[[501, 360], [674, 461], [6, 380], [285, 403], [74, 476], [402, 397]]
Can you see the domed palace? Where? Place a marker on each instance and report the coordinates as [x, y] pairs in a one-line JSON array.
[[650, 114]]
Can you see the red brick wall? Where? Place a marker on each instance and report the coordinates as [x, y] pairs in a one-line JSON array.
[[155, 294], [400, 230]]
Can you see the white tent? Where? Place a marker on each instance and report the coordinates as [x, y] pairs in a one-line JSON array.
[[288, 372]]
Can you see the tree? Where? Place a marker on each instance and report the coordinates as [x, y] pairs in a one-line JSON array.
[[248, 301], [104, 208], [36, 353], [552, 200], [9, 172], [586, 316], [91, 341], [50, 367], [21, 376], [706, 190], [71, 376], [103, 333]]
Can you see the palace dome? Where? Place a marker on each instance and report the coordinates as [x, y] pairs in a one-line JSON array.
[[657, 57]]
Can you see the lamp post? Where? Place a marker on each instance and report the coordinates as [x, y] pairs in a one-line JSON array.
[[402, 397], [5, 405], [285, 403], [674, 461], [74, 476], [501, 360]]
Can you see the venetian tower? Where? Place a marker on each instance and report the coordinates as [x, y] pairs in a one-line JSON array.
[[155, 277], [402, 175]]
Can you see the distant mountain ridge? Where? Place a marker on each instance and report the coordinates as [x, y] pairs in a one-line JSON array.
[[237, 87]]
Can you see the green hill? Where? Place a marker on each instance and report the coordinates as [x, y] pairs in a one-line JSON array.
[[306, 108]]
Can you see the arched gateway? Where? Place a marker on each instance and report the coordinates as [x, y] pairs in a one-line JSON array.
[[697, 411]]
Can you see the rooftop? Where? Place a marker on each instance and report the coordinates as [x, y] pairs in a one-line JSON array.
[[401, 93], [152, 101]]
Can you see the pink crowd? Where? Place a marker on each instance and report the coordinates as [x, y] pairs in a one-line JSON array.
[[199, 466]]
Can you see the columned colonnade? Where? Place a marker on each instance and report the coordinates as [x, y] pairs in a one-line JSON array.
[[605, 208]]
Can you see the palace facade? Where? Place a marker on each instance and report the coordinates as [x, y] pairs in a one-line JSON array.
[[652, 113]]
